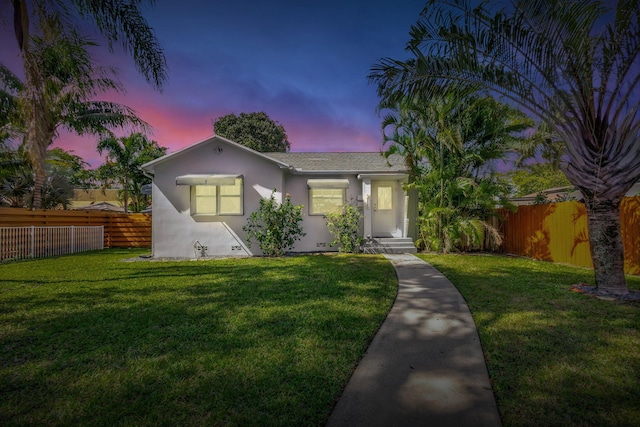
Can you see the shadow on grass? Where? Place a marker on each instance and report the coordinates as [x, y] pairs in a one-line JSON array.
[[555, 357], [239, 342]]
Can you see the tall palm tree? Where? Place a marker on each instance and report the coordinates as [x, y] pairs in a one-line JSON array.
[[571, 64], [124, 157], [70, 84], [404, 133], [119, 21], [450, 144]]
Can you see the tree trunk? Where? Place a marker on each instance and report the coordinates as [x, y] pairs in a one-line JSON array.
[[605, 240], [38, 184], [37, 121], [125, 195], [36, 144]]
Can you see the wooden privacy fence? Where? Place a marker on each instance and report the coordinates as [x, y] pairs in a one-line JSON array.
[[120, 230], [558, 232]]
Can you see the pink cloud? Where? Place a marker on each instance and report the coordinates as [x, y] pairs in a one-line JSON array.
[[178, 120], [176, 129]]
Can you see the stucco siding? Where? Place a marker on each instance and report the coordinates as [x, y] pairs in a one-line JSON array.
[[178, 233], [175, 230], [318, 237]]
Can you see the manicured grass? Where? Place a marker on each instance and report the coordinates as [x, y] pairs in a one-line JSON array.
[[90, 340], [555, 357]]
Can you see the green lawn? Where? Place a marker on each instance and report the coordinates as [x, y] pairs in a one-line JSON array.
[[555, 357], [89, 340]]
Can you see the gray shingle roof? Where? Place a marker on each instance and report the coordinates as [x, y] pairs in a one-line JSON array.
[[341, 162]]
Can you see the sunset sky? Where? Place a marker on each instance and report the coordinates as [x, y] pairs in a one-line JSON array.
[[304, 63]]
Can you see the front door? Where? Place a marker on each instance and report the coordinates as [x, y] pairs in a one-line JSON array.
[[385, 196]]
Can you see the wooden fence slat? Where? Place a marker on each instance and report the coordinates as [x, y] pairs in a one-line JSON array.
[[554, 232], [120, 230], [558, 232]]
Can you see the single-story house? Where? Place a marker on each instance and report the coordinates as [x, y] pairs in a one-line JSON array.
[[203, 195]]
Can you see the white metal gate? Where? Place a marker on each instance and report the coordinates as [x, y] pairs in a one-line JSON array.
[[39, 242]]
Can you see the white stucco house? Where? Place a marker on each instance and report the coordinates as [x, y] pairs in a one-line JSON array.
[[203, 195]]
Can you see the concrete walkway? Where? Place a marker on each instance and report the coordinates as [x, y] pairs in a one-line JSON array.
[[425, 366]]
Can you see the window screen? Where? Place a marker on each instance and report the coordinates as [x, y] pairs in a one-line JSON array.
[[217, 199], [325, 200]]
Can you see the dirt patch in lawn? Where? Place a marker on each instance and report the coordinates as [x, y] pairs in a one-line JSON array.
[[607, 296]]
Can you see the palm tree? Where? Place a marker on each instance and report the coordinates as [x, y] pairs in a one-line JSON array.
[[572, 65], [70, 84], [124, 157], [410, 122], [44, 22], [73, 166], [16, 179], [15, 190], [450, 144], [10, 87], [542, 145]]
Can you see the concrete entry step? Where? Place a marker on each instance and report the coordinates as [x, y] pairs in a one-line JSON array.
[[390, 245]]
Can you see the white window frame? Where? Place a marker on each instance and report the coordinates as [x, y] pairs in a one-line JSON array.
[[218, 198], [340, 184], [312, 209]]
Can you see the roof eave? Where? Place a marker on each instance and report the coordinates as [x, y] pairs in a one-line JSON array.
[[149, 166]]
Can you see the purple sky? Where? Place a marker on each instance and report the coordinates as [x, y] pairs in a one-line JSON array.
[[304, 63]]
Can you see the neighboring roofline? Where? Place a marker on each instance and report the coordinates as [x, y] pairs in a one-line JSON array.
[[149, 166], [298, 171], [320, 153], [548, 191]]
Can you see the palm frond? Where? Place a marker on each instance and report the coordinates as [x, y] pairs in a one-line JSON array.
[[121, 22], [98, 117], [552, 58]]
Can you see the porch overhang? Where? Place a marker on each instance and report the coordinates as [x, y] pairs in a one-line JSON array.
[[205, 179], [328, 183]]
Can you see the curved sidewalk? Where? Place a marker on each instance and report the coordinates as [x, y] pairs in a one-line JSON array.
[[425, 366]]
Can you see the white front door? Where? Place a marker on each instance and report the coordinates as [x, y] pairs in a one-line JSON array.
[[385, 200]]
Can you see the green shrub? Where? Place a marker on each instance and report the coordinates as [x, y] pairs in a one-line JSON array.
[[345, 227], [275, 226]]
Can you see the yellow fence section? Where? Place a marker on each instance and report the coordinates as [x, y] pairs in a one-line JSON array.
[[558, 232], [120, 230]]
